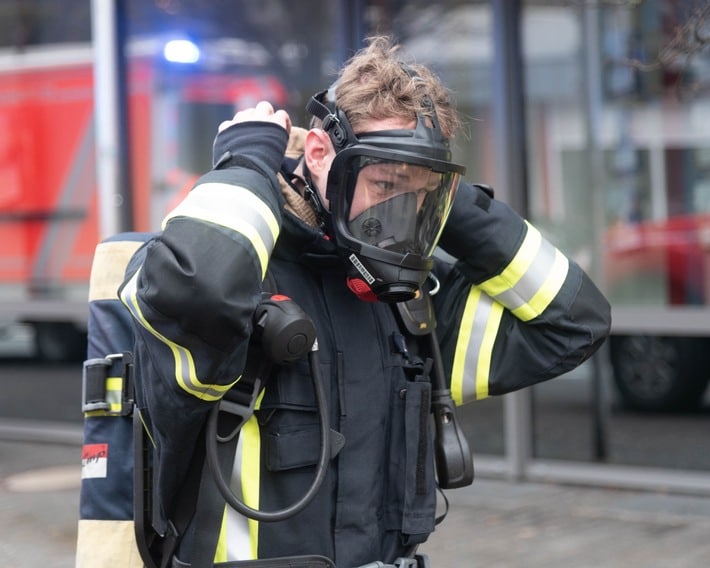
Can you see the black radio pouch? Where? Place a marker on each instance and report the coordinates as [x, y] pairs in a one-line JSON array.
[[454, 461]]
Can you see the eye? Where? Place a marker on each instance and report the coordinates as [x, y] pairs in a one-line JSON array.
[[384, 185]]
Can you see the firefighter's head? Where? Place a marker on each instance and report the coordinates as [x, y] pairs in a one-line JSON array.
[[379, 156]]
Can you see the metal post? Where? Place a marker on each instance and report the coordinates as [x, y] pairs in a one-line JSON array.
[[512, 186], [112, 165], [351, 26], [509, 105], [592, 96]]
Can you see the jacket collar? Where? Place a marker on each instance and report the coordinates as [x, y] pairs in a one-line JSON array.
[[301, 238]]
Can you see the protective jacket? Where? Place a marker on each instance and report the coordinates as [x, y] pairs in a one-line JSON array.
[[512, 311]]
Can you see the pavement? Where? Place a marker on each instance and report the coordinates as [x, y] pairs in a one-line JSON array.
[[492, 524]]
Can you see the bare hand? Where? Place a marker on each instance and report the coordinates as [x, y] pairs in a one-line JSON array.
[[262, 112]]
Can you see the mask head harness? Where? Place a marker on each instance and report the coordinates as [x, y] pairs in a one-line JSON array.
[[390, 193]]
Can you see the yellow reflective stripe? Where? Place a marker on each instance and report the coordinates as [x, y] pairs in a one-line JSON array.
[[474, 347], [220, 553], [517, 267], [235, 208], [146, 429], [250, 466], [114, 393], [91, 413], [185, 373], [532, 279], [465, 329]]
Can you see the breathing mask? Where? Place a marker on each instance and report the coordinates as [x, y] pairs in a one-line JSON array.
[[390, 193]]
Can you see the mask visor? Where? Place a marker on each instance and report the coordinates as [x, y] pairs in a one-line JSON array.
[[396, 205]]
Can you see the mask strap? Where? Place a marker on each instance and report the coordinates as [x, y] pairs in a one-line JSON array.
[[426, 100], [311, 195], [335, 123]]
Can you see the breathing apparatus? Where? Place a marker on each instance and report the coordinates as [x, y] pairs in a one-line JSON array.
[[284, 333], [390, 193]]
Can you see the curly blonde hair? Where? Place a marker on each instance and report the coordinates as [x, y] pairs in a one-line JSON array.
[[377, 84]]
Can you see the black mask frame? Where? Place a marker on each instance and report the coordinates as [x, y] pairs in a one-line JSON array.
[[390, 276]]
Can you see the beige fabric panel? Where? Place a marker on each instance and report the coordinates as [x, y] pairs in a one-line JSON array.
[[108, 268], [295, 203], [106, 544]]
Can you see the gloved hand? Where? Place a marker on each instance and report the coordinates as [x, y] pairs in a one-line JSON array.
[[262, 112], [255, 138], [482, 232]]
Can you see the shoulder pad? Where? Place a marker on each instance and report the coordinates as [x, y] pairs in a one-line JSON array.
[[487, 189]]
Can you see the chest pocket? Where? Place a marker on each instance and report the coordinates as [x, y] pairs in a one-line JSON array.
[[289, 419]]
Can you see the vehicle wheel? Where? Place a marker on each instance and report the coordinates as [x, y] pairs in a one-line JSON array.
[[655, 373], [59, 342]]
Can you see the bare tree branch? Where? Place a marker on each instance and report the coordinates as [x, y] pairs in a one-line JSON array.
[[682, 44]]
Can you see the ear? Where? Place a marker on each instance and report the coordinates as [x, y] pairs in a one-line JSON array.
[[319, 152]]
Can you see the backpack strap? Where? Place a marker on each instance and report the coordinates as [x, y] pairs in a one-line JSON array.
[[231, 413]]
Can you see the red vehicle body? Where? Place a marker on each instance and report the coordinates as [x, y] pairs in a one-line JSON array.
[[672, 372], [676, 250], [48, 184]]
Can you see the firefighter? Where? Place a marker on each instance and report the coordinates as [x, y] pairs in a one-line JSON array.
[[344, 219]]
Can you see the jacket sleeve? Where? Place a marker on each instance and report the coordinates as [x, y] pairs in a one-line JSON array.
[[513, 310], [193, 289]]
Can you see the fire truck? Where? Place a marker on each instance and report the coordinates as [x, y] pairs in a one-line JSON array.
[[48, 192]]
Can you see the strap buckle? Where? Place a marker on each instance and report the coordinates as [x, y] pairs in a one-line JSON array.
[[238, 405], [107, 385]]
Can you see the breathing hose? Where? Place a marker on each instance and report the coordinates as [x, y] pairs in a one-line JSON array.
[[321, 468]]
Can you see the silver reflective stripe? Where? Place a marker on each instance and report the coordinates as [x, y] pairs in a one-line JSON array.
[[235, 208], [241, 538], [532, 279], [474, 347]]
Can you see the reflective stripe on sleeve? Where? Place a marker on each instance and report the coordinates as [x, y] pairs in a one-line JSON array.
[[474, 346], [185, 373], [235, 208], [532, 279]]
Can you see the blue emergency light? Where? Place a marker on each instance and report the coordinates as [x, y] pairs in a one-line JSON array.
[[181, 51]]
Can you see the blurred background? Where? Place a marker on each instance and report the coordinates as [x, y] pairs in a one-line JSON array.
[[591, 118]]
